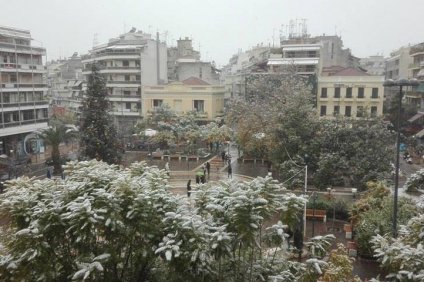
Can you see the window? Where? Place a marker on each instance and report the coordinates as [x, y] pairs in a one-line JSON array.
[[324, 92], [125, 63], [323, 111], [138, 77], [28, 115], [137, 63], [6, 98], [336, 110], [337, 92], [127, 93], [374, 93], [127, 78], [373, 111], [348, 111], [15, 116], [361, 92], [128, 105], [360, 111], [349, 92], [199, 105], [157, 104]]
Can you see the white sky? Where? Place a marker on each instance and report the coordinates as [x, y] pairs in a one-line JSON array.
[[220, 27]]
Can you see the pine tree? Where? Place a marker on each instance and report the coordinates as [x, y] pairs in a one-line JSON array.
[[98, 133]]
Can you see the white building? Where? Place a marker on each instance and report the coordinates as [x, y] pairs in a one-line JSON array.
[[24, 108], [128, 62]]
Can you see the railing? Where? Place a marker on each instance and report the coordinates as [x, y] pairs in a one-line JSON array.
[[23, 85], [22, 47], [123, 82], [14, 66], [24, 122]]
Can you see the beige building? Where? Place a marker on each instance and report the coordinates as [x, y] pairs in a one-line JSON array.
[[192, 94], [349, 92]]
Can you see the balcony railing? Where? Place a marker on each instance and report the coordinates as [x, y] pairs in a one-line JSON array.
[[24, 122], [22, 47], [23, 85], [123, 82]]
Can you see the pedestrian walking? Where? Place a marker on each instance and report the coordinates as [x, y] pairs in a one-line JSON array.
[[167, 168], [204, 169], [208, 168], [223, 155], [197, 179], [49, 173], [230, 171], [189, 188]]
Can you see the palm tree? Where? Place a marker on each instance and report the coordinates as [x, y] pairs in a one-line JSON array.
[[53, 136]]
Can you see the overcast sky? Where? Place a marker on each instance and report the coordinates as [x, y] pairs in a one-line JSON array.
[[219, 27]]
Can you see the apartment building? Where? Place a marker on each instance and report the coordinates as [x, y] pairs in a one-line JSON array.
[[64, 79], [308, 55], [416, 70], [349, 92], [192, 94], [184, 62], [128, 62], [24, 108]]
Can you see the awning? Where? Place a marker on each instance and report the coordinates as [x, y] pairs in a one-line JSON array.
[[417, 116], [420, 134]]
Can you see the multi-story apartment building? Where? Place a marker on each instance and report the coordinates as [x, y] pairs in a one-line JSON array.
[[64, 78], [24, 108], [308, 55], [184, 62], [192, 94], [416, 70], [374, 65], [128, 62], [349, 92]]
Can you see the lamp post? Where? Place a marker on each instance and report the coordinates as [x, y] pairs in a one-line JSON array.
[[314, 198], [306, 160], [398, 83], [188, 154]]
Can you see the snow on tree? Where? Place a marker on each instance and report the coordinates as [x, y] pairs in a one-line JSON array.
[[415, 181], [403, 257], [98, 134], [103, 223]]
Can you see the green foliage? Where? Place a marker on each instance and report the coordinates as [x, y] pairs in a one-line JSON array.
[[104, 223], [339, 266], [343, 152], [415, 181], [377, 220], [98, 134], [402, 257], [57, 133]]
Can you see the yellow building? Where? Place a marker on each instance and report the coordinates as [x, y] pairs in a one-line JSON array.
[[349, 92], [192, 94]]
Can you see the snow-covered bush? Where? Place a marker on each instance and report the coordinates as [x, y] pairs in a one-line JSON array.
[[403, 257], [104, 223], [415, 181]]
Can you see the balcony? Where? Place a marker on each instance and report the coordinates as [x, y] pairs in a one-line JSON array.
[[416, 65], [12, 67], [11, 47], [23, 85]]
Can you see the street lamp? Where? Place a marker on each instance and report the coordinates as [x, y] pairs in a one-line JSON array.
[[398, 83]]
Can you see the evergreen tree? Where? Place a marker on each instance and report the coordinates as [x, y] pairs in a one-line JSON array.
[[98, 134]]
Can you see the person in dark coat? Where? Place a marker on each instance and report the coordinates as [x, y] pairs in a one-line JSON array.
[[223, 155], [203, 179], [189, 188], [208, 168], [230, 172], [197, 179]]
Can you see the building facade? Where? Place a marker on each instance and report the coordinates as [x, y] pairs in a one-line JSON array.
[[190, 95], [350, 93], [128, 62], [184, 62], [24, 107], [64, 79]]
